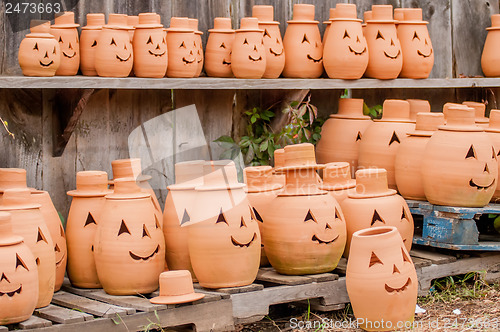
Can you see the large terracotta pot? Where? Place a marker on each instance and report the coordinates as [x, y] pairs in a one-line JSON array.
[[491, 55], [181, 49], [19, 282], [248, 58], [493, 132], [374, 204], [178, 206], [479, 108], [88, 43], [39, 53], [418, 106], [382, 138], [129, 248], [385, 58], [219, 46], [304, 229], [114, 56], [223, 238], [65, 32], [418, 55], [261, 190], [380, 271], [150, 47], [337, 180], [86, 206], [303, 46], [193, 24], [342, 133], [407, 166], [460, 166], [28, 222], [327, 25], [275, 52], [345, 53]]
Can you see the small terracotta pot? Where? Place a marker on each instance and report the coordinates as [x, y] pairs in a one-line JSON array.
[[150, 47], [491, 55], [181, 49], [480, 109], [493, 132], [380, 270], [328, 25], [337, 180], [248, 58], [65, 32], [385, 58], [418, 106], [39, 53], [275, 52], [193, 24], [88, 43], [219, 46], [176, 287], [19, 284], [345, 52], [303, 46], [86, 206], [407, 166]]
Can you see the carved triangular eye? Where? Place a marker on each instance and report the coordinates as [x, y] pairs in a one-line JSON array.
[[392, 42], [379, 35], [358, 137], [150, 41], [494, 155], [346, 35], [394, 138], [222, 45], [94, 44], [56, 248], [243, 224], [112, 42], [60, 39], [374, 260], [395, 270], [145, 231], [54, 51], [403, 214], [185, 217], [328, 226], [486, 169], [182, 45], [376, 217], [471, 153], [40, 236], [61, 231], [415, 36], [266, 33], [309, 217], [36, 46], [305, 39], [278, 41], [123, 228], [337, 214], [19, 262], [357, 39], [4, 277], [221, 218], [257, 215], [425, 42], [245, 41], [157, 222], [405, 256], [90, 220]]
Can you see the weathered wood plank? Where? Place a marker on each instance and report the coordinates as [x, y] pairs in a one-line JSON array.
[[341, 266], [34, 322], [136, 302], [62, 315], [89, 306], [233, 290], [365, 5], [322, 277], [434, 257], [270, 275]]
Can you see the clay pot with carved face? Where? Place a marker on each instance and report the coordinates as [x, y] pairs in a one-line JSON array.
[[150, 47], [328, 25], [198, 44], [219, 47], [65, 32], [493, 132], [248, 58], [88, 43], [182, 51]]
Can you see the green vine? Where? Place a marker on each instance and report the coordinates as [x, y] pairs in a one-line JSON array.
[[6, 126]]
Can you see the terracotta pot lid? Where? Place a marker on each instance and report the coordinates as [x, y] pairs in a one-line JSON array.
[[494, 126], [381, 14], [460, 118], [350, 108], [220, 175], [193, 24], [418, 106], [395, 110], [337, 176], [367, 16], [495, 22], [265, 14], [303, 13], [480, 109], [176, 287], [148, 21], [7, 237], [345, 12], [179, 24], [279, 159], [260, 179], [249, 24], [188, 175], [128, 168], [17, 199], [91, 184], [117, 22], [40, 29], [330, 17], [132, 21], [299, 156], [427, 124], [12, 178], [95, 21], [371, 183], [65, 20], [410, 16], [127, 188], [222, 25]]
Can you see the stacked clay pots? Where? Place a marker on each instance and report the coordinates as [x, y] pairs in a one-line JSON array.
[[88, 43], [65, 32], [248, 58], [181, 49], [337, 180], [493, 132], [218, 50], [150, 47], [490, 55]]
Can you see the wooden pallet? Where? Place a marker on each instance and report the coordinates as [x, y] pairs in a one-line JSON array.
[[452, 227]]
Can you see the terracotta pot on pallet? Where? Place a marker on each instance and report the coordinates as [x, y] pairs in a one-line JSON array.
[[493, 132], [181, 49], [480, 108], [248, 58], [218, 50], [88, 43], [65, 32], [193, 24], [337, 180], [490, 55]]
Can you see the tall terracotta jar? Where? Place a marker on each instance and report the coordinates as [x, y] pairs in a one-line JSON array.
[[129, 248], [304, 229], [248, 58], [193, 24], [39, 52], [261, 190], [181, 49], [407, 166], [337, 180], [416, 45], [380, 271], [385, 58], [374, 204], [86, 206], [328, 25], [345, 53], [19, 282], [382, 138], [342, 133], [114, 56], [88, 43], [223, 238], [460, 166], [150, 47], [490, 55], [493, 132], [178, 206], [28, 222], [219, 46], [418, 106], [275, 52], [65, 32], [303, 46], [480, 108]]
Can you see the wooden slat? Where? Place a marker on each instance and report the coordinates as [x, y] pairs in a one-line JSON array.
[[341, 266], [270, 275], [34, 322], [420, 262], [434, 257], [62, 315], [322, 277], [237, 290], [136, 302], [89, 306]]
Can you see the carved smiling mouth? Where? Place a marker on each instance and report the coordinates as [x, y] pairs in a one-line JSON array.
[[473, 184], [392, 57], [187, 61], [401, 289], [424, 55], [241, 245], [275, 53], [357, 53], [46, 65], [313, 59], [224, 62], [123, 60], [156, 54], [144, 258], [259, 59], [315, 238], [14, 292], [69, 56]]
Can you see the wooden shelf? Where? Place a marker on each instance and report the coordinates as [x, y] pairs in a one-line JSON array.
[[209, 83]]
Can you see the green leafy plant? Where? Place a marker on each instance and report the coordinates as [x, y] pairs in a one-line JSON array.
[[374, 112]]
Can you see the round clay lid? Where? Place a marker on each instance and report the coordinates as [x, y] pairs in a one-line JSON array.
[[350, 108], [427, 124], [188, 175], [381, 14], [95, 21], [395, 110], [494, 126], [91, 184], [260, 179], [265, 14], [303, 13], [17, 199], [222, 25], [371, 183], [64, 20], [337, 176], [127, 188], [460, 118], [7, 237]]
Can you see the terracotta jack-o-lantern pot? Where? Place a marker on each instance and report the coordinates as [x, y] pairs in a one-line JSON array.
[[129, 248], [86, 206], [65, 32], [304, 229], [88, 43], [367, 15], [303, 46], [328, 24], [410, 154], [178, 206], [493, 132], [342, 133], [374, 204], [380, 271], [491, 55], [248, 58], [39, 53], [418, 106], [345, 53], [181, 49], [261, 190], [19, 281], [150, 47], [382, 138], [223, 238], [479, 108], [219, 46], [28, 222], [385, 58], [132, 21], [337, 180], [275, 52], [198, 44], [279, 161], [460, 165], [418, 55]]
